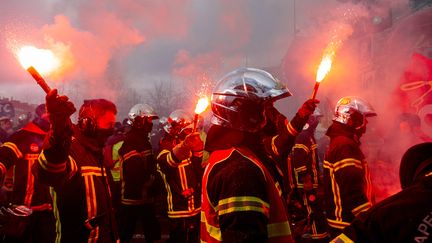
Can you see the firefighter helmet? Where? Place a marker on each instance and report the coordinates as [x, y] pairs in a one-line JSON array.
[[142, 110], [352, 111], [178, 122], [141, 116], [239, 98]]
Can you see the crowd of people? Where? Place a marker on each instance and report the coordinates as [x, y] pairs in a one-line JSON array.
[[253, 175]]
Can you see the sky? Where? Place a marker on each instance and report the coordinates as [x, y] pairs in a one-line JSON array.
[[138, 43], [119, 48]]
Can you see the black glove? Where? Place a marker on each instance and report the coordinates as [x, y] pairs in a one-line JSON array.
[[307, 108], [59, 109]]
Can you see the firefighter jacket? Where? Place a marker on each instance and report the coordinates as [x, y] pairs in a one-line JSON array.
[[242, 199], [138, 167], [182, 179], [82, 200], [347, 184], [239, 190], [303, 161], [403, 217], [17, 155], [304, 184]]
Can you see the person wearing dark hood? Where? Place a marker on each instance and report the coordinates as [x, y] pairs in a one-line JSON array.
[[242, 195], [346, 180], [405, 216], [19, 152], [71, 162], [305, 186], [138, 171]]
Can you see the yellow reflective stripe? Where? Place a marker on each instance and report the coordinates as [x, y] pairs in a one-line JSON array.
[[337, 224], [146, 152], [428, 174], [131, 201], [274, 148], [213, 231], [56, 215], [130, 154], [167, 188], [171, 162], [342, 238], [73, 165], [182, 214], [50, 167], [320, 236], [14, 148], [301, 168], [336, 192], [91, 170], [347, 162], [239, 204], [361, 208], [301, 146], [291, 129], [2, 169], [314, 146], [278, 229]]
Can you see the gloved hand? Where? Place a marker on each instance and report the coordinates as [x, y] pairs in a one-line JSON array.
[[191, 143], [307, 108], [59, 109], [194, 142]]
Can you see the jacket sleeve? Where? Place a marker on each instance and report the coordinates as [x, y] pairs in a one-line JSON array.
[[9, 155], [280, 145], [55, 165]]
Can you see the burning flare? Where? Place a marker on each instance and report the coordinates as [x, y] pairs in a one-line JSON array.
[[202, 105], [41, 59], [325, 65]]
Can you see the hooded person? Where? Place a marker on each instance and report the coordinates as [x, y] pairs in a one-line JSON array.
[[71, 162], [405, 216]]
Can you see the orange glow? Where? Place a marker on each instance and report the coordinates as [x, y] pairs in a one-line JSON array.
[[202, 105], [326, 62], [41, 59]]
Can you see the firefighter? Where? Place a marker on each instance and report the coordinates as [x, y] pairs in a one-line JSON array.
[[179, 164], [346, 180], [138, 169], [407, 215], [242, 192], [17, 155], [305, 196], [73, 166]]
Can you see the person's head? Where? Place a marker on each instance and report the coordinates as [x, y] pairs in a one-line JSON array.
[[141, 117], [5, 123], [179, 124], [353, 111], [240, 98], [41, 117], [96, 119], [415, 164]]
